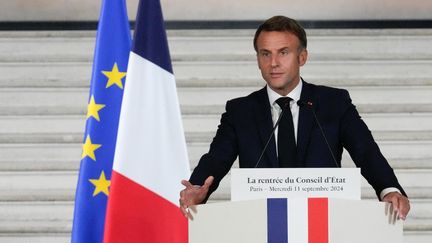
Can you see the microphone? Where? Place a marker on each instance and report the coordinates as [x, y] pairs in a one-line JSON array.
[[309, 104], [271, 135]]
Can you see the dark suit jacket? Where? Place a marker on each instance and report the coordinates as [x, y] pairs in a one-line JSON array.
[[247, 124]]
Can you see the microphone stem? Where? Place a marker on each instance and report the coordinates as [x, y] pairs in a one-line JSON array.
[[268, 140], [324, 136]]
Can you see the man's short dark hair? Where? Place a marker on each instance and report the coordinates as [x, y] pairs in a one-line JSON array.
[[282, 23]]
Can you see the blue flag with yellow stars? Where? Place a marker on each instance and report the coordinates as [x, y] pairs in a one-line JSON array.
[[111, 55]]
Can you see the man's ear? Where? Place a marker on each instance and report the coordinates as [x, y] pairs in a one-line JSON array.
[[303, 57], [258, 61]]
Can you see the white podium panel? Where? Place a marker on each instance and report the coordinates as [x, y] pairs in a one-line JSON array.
[[365, 221], [229, 222]]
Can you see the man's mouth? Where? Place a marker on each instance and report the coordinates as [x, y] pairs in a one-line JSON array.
[[276, 75]]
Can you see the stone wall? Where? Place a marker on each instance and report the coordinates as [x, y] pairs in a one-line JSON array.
[[85, 10]]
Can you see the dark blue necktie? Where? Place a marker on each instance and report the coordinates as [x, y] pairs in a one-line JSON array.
[[287, 148]]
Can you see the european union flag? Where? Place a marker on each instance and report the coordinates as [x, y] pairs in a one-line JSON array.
[[111, 55]]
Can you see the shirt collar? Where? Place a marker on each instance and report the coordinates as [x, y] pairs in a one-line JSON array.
[[294, 94]]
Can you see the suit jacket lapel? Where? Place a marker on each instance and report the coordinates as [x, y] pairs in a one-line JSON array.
[[305, 122], [265, 125]]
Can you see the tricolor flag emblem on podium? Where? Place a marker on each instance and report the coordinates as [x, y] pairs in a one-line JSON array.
[[299, 221]]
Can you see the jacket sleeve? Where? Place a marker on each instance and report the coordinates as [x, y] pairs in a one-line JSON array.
[[222, 153], [359, 142]]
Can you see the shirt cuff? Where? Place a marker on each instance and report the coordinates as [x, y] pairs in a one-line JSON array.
[[387, 191]]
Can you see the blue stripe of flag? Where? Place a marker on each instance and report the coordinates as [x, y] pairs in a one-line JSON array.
[[277, 220], [150, 42]]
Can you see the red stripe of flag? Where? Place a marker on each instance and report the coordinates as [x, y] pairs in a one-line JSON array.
[[318, 220], [140, 215]]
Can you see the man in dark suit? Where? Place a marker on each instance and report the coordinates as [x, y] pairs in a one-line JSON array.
[[245, 127]]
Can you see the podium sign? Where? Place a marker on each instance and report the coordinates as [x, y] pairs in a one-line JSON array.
[[250, 184]]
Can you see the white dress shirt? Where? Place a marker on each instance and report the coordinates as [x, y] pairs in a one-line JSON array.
[[276, 110]]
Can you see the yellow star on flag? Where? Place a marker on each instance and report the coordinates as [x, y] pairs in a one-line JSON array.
[[114, 77], [93, 109], [101, 184], [88, 149]]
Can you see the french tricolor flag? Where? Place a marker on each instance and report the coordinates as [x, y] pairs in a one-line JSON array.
[[300, 221], [151, 157]]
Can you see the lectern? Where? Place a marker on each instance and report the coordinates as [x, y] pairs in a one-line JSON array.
[[302, 215], [296, 220]]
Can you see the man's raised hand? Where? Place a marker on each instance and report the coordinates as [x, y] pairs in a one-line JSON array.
[[193, 194]]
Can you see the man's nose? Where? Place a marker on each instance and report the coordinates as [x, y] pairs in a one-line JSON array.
[[274, 61]]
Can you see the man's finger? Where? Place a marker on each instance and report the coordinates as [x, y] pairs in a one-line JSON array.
[[396, 204], [186, 183], [395, 216], [208, 182], [182, 194], [390, 213], [184, 211], [387, 208], [404, 207]]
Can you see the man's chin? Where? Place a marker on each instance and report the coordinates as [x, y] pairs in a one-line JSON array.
[[277, 85]]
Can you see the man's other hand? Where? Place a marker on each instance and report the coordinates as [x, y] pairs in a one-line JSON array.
[[193, 194], [400, 203]]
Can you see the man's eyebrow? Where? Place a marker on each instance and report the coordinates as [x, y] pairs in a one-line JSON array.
[[263, 50], [280, 49], [284, 48]]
